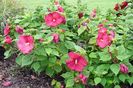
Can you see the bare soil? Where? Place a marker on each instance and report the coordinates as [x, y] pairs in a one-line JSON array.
[[21, 78]]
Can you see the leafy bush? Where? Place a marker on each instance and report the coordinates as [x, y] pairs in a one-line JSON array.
[[85, 48]]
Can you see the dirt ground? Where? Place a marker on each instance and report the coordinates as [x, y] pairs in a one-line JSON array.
[[21, 78]]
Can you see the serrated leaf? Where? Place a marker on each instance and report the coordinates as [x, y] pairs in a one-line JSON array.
[[57, 68], [36, 66], [97, 80], [40, 51], [80, 49], [117, 86], [55, 52], [102, 69], [130, 80], [103, 82], [115, 68], [104, 56], [81, 30], [64, 58], [122, 77], [7, 54], [53, 82], [38, 36], [49, 71], [52, 59], [69, 45], [24, 60], [48, 50], [93, 55], [69, 83], [67, 75], [122, 53], [92, 40]]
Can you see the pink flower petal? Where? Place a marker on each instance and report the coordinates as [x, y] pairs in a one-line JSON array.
[[7, 83]]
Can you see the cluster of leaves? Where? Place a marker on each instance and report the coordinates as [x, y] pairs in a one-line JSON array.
[[50, 57]]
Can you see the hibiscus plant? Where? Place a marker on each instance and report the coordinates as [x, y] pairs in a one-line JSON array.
[[85, 48]]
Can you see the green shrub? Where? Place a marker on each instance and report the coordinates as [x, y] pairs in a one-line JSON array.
[[88, 49]]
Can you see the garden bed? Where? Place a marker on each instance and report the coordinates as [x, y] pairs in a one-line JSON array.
[[21, 78]]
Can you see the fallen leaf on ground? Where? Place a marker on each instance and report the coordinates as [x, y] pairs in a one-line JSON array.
[[7, 83]]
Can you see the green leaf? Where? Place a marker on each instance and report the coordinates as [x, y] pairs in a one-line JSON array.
[[64, 58], [68, 75], [38, 36], [92, 40], [58, 85], [55, 52], [48, 50], [49, 39], [103, 82], [53, 82], [24, 60], [104, 56], [122, 77], [97, 80], [93, 55], [7, 54], [52, 59], [41, 58], [117, 86], [69, 45], [49, 71], [130, 80], [122, 53], [62, 37], [36, 66], [80, 49], [61, 48], [69, 83], [81, 30], [58, 68], [40, 51], [102, 69], [115, 68]]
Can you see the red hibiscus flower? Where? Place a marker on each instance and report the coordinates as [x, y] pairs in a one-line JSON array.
[[76, 62], [6, 30], [117, 7], [25, 43], [83, 78], [124, 4], [8, 39], [100, 25], [60, 9], [123, 68], [103, 40], [102, 30], [55, 38], [54, 19], [19, 30], [112, 35], [80, 15]]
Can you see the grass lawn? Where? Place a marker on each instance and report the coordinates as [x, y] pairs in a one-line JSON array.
[[102, 4]]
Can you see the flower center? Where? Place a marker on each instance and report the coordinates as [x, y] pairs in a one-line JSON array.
[[53, 20], [26, 44], [101, 40], [76, 61]]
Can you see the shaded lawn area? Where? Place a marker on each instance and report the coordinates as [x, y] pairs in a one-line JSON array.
[[102, 4]]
